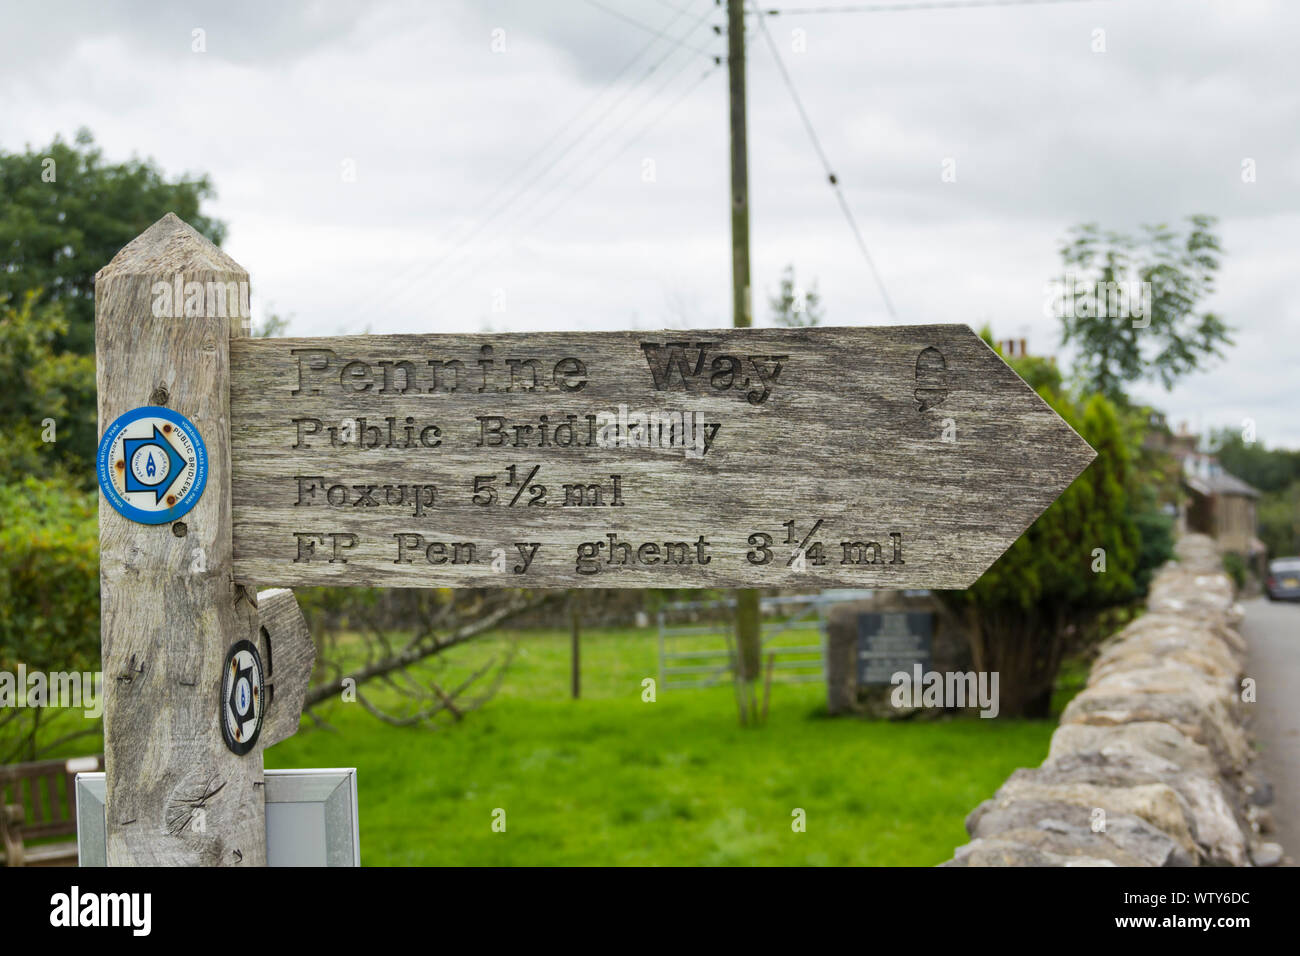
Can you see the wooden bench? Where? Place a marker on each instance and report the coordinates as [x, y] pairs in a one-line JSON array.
[[38, 801]]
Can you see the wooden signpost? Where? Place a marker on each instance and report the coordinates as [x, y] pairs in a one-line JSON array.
[[893, 457]]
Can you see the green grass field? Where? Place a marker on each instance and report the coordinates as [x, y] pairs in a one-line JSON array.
[[609, 779]]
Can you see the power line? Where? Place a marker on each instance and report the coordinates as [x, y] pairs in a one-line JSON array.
[[649, 29], [922, 5], [546, 214], [672, 6], [473, 268], [457, 258], [826, 163], [488, 203], [465, 241], [654, 121], [422, 270]]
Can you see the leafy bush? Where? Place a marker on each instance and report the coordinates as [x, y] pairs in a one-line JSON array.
[[1236, 568], [1156, 530], [49, 577], [1038, 601], [47, 404], [1279, 521]]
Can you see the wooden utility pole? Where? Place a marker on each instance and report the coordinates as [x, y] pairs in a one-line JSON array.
[[748, 630], [741, 310]]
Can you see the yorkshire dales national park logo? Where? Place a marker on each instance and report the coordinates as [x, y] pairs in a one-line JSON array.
[[152, 465]]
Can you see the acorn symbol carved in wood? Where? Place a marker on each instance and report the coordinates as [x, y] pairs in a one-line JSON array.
[[931, 379]]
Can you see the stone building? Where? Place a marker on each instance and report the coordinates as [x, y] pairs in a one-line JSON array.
[[1210, 500], [1221, 505]]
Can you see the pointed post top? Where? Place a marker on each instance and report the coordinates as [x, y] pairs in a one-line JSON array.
[[170, 245]]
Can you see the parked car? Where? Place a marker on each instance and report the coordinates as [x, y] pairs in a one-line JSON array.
[[1283, 580]]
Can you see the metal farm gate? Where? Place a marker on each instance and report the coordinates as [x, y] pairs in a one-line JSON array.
[[707, 666]]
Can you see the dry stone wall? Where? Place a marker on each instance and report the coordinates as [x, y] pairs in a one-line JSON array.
[[1150, 764]]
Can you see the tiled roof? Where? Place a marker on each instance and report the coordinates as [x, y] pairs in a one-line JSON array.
[[1219, 482]]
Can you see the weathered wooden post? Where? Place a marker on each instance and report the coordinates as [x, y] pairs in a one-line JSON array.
[[182, 789]]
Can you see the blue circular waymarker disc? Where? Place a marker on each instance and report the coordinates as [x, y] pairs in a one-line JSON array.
[[152, 465]]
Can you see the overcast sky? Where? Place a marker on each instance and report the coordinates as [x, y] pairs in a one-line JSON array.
[[456, 165]]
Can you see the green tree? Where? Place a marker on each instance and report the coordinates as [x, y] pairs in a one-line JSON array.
[[272, 327], [49, 603], [1153, 488], [1278, 513], [792, 309], [65, 212], [1275, 472], [47, 405], [1267, 469], [1038, 601], [1130, 304], [1156, 534]]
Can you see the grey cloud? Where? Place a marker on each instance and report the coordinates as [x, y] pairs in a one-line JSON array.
[[1045, 134]]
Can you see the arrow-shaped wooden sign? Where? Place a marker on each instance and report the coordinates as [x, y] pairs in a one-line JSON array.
[[875, 457]]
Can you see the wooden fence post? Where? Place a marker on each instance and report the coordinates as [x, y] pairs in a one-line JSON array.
[[177, 794]]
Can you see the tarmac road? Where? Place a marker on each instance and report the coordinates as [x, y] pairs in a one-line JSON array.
[[1272, 631]]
